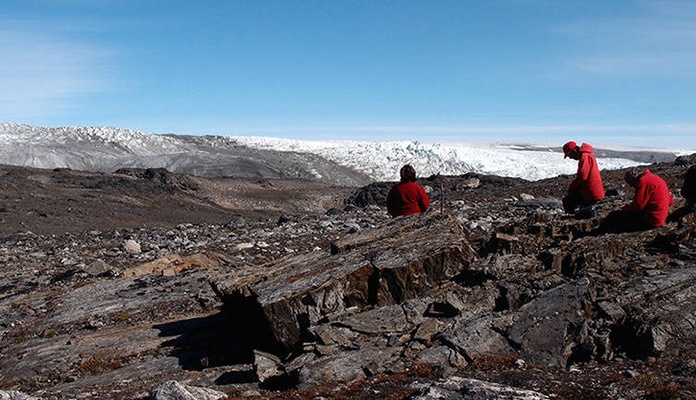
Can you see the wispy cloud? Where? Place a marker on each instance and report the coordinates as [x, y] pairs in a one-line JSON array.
[[645, 128], [659, 40], [42, 73]]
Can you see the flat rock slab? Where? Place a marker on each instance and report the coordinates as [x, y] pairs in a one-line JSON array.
[[107, 334], [403, 260], [473, 337], [349, 365], [660, 309], [544, 328], [127, 297]]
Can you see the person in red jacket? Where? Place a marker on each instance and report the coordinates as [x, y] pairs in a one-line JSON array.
[[407, 197], [648, 209], [652, 198], [587, 187]]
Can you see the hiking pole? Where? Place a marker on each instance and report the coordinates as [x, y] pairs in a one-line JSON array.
[[442, 199]]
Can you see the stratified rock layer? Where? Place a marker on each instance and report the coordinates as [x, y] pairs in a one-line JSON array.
[[405, 259]]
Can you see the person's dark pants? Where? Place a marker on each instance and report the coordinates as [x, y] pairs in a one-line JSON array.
[[624, 221], [573, 204]]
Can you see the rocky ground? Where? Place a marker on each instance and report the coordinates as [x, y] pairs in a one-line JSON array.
[[126, 285]]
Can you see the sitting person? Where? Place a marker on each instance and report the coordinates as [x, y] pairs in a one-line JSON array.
[[649, 208], [587, 188], [407, 197]]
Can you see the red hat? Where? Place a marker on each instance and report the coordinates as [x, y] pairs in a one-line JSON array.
[[568, 147]]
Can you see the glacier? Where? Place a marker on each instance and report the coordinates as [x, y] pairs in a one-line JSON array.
[[109, 148]]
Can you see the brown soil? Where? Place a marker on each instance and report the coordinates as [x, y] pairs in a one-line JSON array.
[[62, 200]]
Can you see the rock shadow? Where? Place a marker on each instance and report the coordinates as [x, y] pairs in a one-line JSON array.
[[210, 341]]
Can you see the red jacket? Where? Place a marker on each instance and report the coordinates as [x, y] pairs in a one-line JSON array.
[[652, 198], [407, 198], [588, 182]]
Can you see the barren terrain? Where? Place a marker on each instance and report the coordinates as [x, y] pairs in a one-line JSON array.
[[63, 200], [112, 286]]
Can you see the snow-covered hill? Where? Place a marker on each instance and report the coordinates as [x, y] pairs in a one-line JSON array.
[[342, 162]]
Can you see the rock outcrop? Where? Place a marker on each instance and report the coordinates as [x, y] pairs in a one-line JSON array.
[[494, 293], [415, 290], [403, 260]]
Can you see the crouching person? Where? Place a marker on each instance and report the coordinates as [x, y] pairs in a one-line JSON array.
[[649, 208]]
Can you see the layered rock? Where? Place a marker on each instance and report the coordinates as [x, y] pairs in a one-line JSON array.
[[402, 260], [495, 284]]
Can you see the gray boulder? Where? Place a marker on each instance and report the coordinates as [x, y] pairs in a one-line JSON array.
[[458, 388], [15, 395], [173, 390]]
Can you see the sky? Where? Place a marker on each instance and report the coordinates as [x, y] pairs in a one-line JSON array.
[[614, 73]]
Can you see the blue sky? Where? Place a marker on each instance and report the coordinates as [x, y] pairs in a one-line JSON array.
[[606, 72]]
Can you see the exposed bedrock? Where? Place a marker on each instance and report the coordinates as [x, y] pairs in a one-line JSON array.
[[403, 260], [416, 290]]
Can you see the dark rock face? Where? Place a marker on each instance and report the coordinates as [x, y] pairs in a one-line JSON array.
[[688, 190], [686, 160], [494, 292]]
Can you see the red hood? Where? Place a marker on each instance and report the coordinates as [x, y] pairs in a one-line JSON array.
[[586, 148]]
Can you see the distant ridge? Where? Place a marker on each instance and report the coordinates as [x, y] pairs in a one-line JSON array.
[[107, 149]]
